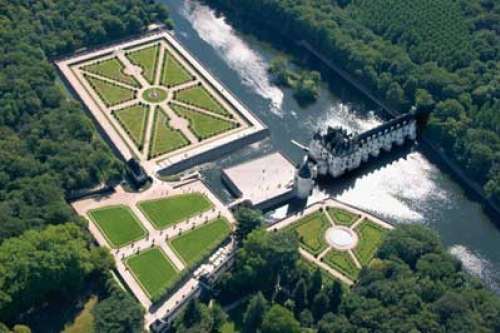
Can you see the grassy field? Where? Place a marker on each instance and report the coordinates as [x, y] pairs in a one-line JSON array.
[[202, 125], [165, 139], [109, 93], [342, 261], [171, 210], [194, 245], [112, 69], [147, 59], [371, 236], [84, 322], [133, 119], [153, 270], [173, 73], [342, 217], [200, 97], [118, 224], [311, 231]]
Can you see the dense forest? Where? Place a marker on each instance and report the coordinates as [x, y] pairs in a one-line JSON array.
[[438, 54], [413, 285], [49, 147]]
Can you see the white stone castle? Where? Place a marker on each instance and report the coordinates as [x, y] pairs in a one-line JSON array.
[[335, 152]]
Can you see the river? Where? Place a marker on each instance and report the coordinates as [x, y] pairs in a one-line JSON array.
[[406, 189]]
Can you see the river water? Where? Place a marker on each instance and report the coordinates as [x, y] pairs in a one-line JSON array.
[[406, 189]]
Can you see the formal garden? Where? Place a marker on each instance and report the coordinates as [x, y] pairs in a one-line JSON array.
[[158, 100], [342, 240]]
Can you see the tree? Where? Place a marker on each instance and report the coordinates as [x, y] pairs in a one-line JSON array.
[[300, 296], [335, 293], [315, 285], [320, 305], [119, 313], [55, 261], [248, 220], [280, 320], [254, 314], [219, 317]]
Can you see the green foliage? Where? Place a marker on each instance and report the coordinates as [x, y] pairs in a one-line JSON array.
[[431, 30], [119, 313], [203, 125], [248, 220], [193, 246], [165, 139], [167, 211], [153, 270], [254, 314], [54, 261], [305, 83], [280, 320], [119, 225], [133, 119]]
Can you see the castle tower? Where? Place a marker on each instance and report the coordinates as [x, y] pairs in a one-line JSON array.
[[304, 181]]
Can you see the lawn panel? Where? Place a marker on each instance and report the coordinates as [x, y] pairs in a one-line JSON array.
[[195, 245], [153, 270], [173, 73], [133, 119], [371, 237], [118, 224], [165, 138], [311, 231], [203, 125], [341, 216], [200, 97], [147, 59], [111, 94], [342, 261], [112, 69], [171, 210]]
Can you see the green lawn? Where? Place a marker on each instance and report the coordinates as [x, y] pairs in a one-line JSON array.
[[371, 237], [342, 217], [84, 322], [118, 224], [134, 119], [165, 139], [171, 210], [342, 261], [173, 73], [311, 231], [200, 97], [193, 246], [153, 270], [202, 125], [110, 94], [147, 59], [112, 69]]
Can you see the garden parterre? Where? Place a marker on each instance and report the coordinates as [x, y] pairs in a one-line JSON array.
[[185, 109]]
